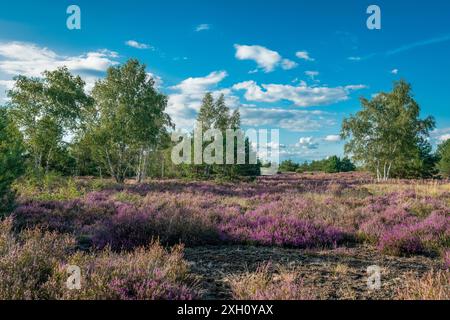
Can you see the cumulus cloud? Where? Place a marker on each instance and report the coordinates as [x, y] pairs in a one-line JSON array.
[[138, 45], [394, 71], [266, 59], [333, 138], [287, 119], [287, 64], [312, 74], [202, 27], [444, 137], [307, 143], [185, 102], [304, 55], [31, 60], [301, 95], [198, 86], [28, 59]]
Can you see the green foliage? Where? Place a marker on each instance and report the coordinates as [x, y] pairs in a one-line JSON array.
[[48, 187], [46, 110], [288, 166], [388, 137], [443, 153], [11, 160], [129, 121], [332, 164], [214, 114]]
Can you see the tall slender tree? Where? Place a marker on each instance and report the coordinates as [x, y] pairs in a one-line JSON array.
[[129, 120]]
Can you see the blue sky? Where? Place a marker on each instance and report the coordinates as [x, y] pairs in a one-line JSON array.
[[299, 66]]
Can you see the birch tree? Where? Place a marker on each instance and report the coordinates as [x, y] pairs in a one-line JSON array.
[[387, 135], [129, 120], [46, 110]]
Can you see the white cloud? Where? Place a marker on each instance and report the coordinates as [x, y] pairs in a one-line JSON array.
[[28, 59], [31, 60], [266, 59], [307, 143], [354, 58], [304, 55], [287, 64], [440, 135], [301, 95], [394, 71], [333, 138], [312, 74], [7, 84], [158, 80], [138, 45], [195, 86], [202, 27], [293, 120], [185, 103]]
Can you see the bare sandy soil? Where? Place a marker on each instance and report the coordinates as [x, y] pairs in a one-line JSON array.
[[331, 274]]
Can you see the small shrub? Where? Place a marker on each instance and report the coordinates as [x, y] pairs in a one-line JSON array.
[[429, 235], [150, 273], [27, 262], [262, 227], [34, 266]]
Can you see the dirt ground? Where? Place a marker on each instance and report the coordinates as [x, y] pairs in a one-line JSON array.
[[330, 274]]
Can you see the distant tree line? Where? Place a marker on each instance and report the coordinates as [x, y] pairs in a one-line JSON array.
[[332, 164]]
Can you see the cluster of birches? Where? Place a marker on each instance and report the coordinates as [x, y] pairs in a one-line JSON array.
[[121, 130]]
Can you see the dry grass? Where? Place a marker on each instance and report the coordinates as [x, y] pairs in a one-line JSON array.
[[433, 285], [341, 269], [421, 188], [266, 285]]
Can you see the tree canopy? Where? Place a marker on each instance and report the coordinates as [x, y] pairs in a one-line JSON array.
[[11, 159], [128, 120], [443, 153], [388, 137]]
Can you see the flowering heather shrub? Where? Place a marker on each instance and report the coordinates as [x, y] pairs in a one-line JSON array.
[[262, 226], [64, 217], [150, 273], [34, 266], [263, 285], [380, 222], [131, 227], [433, 285], [401, 233], [307, 211], [27, 262], [401, 240]]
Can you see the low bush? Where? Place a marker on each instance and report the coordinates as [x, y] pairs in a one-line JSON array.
[[34, 266]]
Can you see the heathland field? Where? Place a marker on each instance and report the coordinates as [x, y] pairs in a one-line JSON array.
[[291, 236]]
